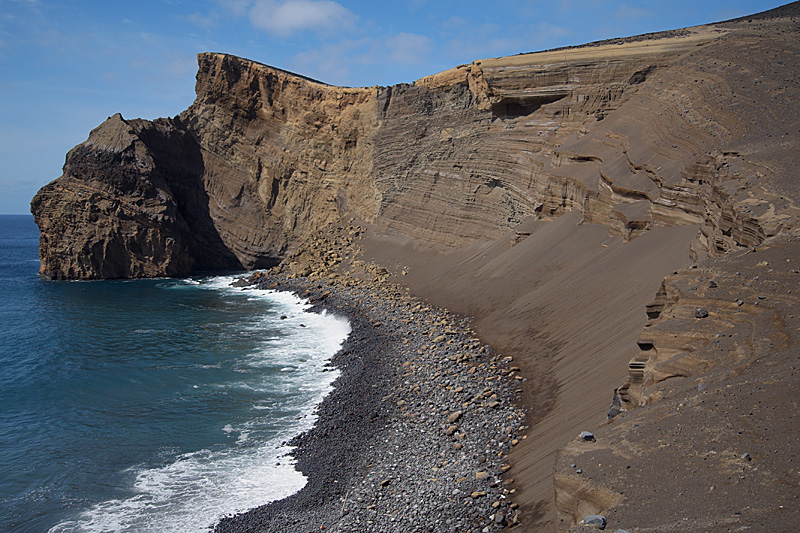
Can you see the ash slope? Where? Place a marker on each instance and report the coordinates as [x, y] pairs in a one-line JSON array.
[[546, 195]]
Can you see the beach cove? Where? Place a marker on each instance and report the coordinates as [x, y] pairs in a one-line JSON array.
[[416, 433]]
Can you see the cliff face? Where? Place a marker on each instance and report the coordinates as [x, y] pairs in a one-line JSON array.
[[634, 135], [131, 203], [260, 157]]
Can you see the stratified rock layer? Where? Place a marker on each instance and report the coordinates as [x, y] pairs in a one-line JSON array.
[[636, 135]]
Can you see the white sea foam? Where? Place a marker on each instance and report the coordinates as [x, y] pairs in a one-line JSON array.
[[192, 492]]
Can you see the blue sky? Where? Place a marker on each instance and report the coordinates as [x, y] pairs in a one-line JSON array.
[[65, 66]]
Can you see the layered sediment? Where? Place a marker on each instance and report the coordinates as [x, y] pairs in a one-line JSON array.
[[546, 195], [707, 413], [634, 136]]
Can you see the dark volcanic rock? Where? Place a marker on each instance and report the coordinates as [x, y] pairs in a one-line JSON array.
[[130, 204]]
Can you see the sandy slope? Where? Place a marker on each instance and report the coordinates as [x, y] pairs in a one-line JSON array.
[[568, 302]]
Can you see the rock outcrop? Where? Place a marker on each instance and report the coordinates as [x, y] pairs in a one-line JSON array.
[[131, 203], [260, 156], [633, 135]]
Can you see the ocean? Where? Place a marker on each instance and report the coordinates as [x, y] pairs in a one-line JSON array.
[[149, 405]]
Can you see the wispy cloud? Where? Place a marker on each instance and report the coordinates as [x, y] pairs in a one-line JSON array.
[[284, 18], [454, 23], [236, 8], [408, 48], [337, 62], [205, 22], [330, 62], [180, 67]]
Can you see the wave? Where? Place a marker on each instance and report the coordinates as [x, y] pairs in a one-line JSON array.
[[194, 490]]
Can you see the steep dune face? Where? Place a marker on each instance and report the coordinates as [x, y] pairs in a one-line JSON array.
[[546, 195]]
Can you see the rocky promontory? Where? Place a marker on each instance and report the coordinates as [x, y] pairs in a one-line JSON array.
[[575, 203]]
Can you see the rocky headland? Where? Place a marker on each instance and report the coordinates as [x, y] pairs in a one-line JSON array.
[[618, 220]]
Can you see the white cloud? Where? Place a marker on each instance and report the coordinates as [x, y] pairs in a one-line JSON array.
[[205, 22], [237, 8], [408, 48], [286, 17]]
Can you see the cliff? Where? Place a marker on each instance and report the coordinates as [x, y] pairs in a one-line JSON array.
[[634, 136], [547, 195]]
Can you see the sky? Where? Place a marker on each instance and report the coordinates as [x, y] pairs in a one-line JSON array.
[[67, 65]]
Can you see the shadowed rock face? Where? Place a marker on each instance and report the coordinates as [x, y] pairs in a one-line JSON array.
[[634, 135], [131, 203], [260, 156]]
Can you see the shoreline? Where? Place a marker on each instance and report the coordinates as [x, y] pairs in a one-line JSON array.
[[416, 432]]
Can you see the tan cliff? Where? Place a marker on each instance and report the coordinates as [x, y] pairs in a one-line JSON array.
[[634, 136], [546, 195]]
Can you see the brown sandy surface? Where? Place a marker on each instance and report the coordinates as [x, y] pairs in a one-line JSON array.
[[714, 449], [567, 302]]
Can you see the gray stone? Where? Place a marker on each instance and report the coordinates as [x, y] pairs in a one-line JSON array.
[[700, 313], [616, 406], [595, 520], [587, 436]]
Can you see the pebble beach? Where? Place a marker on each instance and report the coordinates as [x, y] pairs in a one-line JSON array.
[[416, 433]]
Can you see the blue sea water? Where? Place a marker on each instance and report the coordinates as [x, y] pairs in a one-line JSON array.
[[148, 405]]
